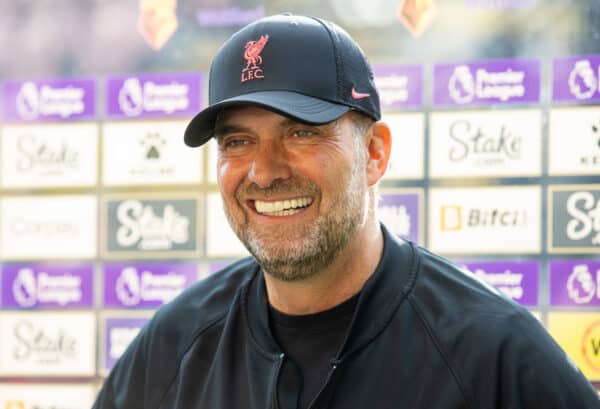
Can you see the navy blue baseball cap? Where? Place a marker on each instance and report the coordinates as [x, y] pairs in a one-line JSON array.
[[302, 67]]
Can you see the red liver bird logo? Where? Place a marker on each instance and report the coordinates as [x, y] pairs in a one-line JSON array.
[[253, 58]]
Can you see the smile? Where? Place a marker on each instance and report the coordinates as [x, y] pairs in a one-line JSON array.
[[282, 207]]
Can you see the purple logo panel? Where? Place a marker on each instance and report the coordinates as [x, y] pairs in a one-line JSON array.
[[153, 96], [399, 86], [40, 286], [49, 100], [575, 283], [146, 285], [487, 82], [517, 280], [120, 331], [400, 213], [576, 79]]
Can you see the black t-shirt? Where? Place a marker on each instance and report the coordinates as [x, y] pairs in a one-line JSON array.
[[310, 342]]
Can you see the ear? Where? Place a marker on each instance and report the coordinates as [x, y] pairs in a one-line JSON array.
[[379, 147]]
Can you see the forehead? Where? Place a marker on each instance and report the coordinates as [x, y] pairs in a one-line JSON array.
[[244, 113]]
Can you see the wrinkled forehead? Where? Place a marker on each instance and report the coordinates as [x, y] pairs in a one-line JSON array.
[[238, 113]]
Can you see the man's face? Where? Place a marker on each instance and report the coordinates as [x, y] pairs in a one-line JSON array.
[[294, 194]]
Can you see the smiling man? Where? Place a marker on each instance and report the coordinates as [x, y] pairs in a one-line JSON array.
[[331, 311]]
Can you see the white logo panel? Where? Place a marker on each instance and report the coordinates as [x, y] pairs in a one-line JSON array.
[[485, 143], [213, 152], [485, 220], [46, 396], [48, 227], [142, 153], [49, 155], [574, 141], [47, 344], [407, 157], [221, 241]]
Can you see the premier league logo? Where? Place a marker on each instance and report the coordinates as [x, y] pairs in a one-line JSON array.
[[582, 80], [581, 286], [24, 288], [462, 85], [28, 101], [131, 97]]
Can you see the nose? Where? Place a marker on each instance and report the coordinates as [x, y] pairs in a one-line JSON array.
[[270, 163]]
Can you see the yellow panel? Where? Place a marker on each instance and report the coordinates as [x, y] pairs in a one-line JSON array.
[[579, 335]]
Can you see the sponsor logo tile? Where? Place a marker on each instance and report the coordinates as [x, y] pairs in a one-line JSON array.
[[47, 286], [146, 285], [399, 86], [497, 82], [151, 226], [153, 95], [49, 100], [574, 218]]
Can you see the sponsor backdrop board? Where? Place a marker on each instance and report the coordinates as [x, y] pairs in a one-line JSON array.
[[497, 82], [491, 220], [575, 283], [145, 285], [576, 79], [147, 153], [117, 332], [221, 240], [399, 86], [574, 219], [153, 95], [58, 155], [151, 226], [402, 212], [50, 344], [48, 227], [574, 141], [518, 280], [503, 143], [212, 149], [49, 100], [407, 160], [578, 333], [46, 396], [469, 176], [47, 286]]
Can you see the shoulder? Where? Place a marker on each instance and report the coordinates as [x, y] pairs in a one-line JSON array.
[[204, 303], [478, 330], [151, 362]]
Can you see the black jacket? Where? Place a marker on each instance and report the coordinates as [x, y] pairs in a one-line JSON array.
[[425, 335]]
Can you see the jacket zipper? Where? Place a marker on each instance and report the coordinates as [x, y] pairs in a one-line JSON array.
[[280, 359], [334, 365]]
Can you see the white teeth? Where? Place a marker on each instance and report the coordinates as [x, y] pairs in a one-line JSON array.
[[282, 207]]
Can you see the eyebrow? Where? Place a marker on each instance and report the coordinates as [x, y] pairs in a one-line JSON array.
[[224, 129]]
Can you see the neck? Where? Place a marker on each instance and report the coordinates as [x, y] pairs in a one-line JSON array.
[[344, 277]]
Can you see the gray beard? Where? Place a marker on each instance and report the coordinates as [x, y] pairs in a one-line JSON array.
[[321, 243], [319, 248]]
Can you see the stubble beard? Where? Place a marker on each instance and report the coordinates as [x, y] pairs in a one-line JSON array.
[[320, 243]]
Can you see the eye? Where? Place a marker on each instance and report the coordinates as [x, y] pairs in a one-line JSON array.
[[231, 142], [303, 133]]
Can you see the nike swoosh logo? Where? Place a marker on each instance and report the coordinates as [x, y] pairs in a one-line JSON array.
[[359, 95]]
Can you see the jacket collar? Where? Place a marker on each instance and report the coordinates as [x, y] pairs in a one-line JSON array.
[[380, 297]]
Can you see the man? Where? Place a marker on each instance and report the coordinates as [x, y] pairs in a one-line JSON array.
[[332, 311]]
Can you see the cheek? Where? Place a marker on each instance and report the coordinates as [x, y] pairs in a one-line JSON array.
[[228, 178]]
